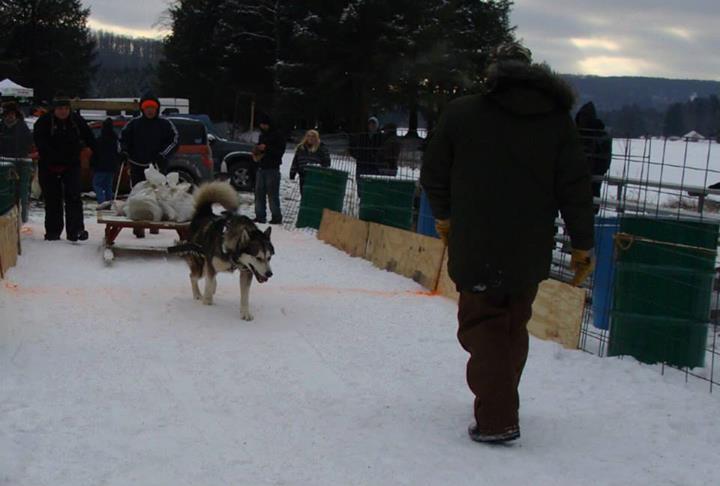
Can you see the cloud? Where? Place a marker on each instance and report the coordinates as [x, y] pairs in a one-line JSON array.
[[668, 38], [142, 18], [129, 31], [620, 37]]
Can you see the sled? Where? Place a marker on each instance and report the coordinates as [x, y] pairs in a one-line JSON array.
[[115, 224]]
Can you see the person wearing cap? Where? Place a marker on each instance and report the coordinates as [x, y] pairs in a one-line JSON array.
[[15, 136], [146, 140], [498, 167], [268, 154], [364, 147], [597, 144], [61, 135]]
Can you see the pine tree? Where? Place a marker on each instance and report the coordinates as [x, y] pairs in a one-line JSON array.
[[48, 43], [193, 55]]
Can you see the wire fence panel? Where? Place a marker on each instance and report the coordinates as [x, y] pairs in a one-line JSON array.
[[655, 294]]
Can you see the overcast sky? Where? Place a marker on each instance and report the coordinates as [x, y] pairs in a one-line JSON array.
[[669, 38]]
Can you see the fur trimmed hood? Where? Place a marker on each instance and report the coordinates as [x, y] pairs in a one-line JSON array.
[[528, 89]]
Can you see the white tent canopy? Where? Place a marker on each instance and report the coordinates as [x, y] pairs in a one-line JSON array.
[[8, 87]]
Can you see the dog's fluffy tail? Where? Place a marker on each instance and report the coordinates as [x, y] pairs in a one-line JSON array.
[[186, 249], [215, 193]]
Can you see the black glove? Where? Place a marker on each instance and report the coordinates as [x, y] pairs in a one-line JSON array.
[[292, 175], [124, 156]]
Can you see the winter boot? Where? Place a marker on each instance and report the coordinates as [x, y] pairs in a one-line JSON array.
[[81, 236], [510, 433]]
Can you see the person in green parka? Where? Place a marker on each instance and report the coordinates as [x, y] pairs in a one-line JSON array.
[[496, 170]]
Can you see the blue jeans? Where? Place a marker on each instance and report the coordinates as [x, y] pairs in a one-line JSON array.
[[267, 186], [103, 186]]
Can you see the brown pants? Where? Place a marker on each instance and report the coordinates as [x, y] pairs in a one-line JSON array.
[[493, 329]]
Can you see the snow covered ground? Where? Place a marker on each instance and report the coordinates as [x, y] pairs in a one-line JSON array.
[[348, 376]]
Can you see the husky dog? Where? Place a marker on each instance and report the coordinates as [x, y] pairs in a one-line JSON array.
[[224, 243]]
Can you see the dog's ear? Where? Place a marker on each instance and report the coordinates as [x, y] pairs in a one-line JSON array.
[[244, 238], [268, 231]]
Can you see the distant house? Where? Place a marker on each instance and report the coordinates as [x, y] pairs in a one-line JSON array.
[[693, 136]]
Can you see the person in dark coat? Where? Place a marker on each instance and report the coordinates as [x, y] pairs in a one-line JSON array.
[[364, 147], [146, 140], [60, 137], [498, 167], [15, 136], [105, 163], [310, 151], [389, 152], [268, 154], [597, 144]]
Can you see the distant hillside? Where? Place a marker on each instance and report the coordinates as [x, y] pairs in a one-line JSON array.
[[126, 65], [612, 93]]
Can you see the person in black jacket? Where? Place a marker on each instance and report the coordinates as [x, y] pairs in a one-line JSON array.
[[364, 147], [148, 139], [60, 137], [596, 142], [310, 151], [389, 152], [15, 136], [105, 162], [268, 154], [497, 168]]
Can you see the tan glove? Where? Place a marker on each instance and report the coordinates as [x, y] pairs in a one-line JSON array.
[[582, 263], [442, 226]]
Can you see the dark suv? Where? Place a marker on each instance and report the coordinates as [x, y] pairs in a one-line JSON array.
[[192, 160], [233, 160]]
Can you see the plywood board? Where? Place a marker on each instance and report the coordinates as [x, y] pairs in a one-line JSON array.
[[9, 240], [445, 285], [344, 232], [410, 254], [557, 313]]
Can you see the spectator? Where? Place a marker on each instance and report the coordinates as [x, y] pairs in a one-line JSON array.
[[105, 163], [497, 168], [268, 154], [60, 137], [147, 140], [389, 152], [364, 147], [15, 136], [596, 143], [310, 151]]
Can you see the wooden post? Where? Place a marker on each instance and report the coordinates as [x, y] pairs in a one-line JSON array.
[[252, 116]]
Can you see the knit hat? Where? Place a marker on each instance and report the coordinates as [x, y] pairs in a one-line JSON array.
[[263, 119], [60, 99], [11, 107], [149, 99], [512, 51]]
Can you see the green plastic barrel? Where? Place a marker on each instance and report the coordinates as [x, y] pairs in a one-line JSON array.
[[324, 189], [8, 186], [663, 290], [25, 169], [387, 201]]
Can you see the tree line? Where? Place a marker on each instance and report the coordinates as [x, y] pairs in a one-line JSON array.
[[701, 114], [329, 64]]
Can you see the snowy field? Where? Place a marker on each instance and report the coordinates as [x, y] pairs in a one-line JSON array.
[[348, 376], [659, 163]]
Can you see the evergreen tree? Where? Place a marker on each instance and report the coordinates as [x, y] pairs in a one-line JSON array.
[[193, 55], [48, 43]]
